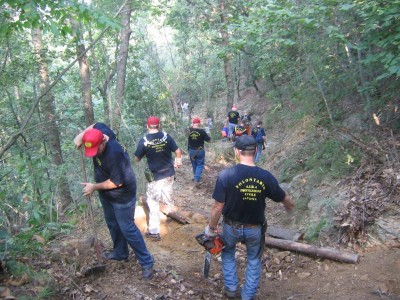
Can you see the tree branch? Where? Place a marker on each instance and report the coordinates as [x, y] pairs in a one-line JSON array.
[[13, 138]]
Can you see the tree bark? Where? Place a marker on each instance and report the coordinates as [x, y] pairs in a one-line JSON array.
[[84, 72], [334, 254], [122, 59], [227, 60], [49, 112]]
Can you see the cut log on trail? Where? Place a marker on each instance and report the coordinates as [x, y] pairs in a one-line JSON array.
[[174, 214], [334, 254]]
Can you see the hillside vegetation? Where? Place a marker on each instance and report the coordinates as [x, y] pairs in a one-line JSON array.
[[323, 76]]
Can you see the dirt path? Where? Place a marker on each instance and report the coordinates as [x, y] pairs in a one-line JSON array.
[[285, 275], [179, 260]]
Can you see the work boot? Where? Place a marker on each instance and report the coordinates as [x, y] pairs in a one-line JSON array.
[[197, 185], [153, 236], [147, 273], [230, 294], [111, 256]]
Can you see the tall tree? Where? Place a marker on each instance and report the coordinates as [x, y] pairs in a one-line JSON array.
[[122, 59], [84, 72], [227, 60], [49, 111]]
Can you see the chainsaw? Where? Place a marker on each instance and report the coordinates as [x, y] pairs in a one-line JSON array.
[[213, 245]]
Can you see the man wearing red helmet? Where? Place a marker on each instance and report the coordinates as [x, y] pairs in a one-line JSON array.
[[116, 184], [157, 147]]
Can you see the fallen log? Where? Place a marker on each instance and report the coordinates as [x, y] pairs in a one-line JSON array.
[[346, 257], [175, 214]]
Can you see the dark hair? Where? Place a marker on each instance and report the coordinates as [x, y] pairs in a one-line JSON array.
[[259, 123], [248, 152]]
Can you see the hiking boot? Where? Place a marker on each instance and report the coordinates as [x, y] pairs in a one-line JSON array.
[[111, 256], [153, 236], [147, 273], [197, 185], [230, 294]]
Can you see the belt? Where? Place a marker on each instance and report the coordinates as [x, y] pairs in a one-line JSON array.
[[193, 148], [237, 224]]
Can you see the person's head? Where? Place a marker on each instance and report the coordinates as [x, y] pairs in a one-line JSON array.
[[259, 123], [234, 108], [153, 123], [94, 142], [246, 145], [196, 122]]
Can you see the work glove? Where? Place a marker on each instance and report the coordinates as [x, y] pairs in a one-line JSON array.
[[178, 162], [210, 232]]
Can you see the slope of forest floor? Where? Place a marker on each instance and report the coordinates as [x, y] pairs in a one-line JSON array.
[[179, 261]]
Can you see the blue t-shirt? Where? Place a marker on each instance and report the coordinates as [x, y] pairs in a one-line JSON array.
[[114, 164], [158, 150], [243, 190]]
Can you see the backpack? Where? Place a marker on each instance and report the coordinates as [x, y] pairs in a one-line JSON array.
[[259, 137]]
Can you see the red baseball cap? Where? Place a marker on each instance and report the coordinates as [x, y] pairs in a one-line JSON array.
[[153, 121], [92, 139], [196, 121]]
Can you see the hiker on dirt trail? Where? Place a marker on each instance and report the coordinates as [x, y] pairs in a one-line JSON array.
[[197, 153], [239, 194], [231, 121], [246, 119], [157, 147], [259, 134], [116, 184], [240, 130]]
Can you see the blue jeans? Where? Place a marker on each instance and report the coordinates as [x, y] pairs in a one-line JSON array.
[[197, 163], [258, 153], [251, 237], [231, 129], [123, 231]]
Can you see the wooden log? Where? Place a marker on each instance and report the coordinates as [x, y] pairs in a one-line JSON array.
[[346, 257], [175, 214]]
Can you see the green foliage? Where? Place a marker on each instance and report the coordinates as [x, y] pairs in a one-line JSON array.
[[327, 158], [52, 16], [314, 230], [333, 158]]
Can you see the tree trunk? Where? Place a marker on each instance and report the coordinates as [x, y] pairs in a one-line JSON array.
[[122, 59], [227, 60], [84, 73], [49, 112]]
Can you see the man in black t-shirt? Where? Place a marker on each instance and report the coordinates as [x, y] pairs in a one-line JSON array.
[[232, 120], [197, 153], [157, 147], [239, 195], [116, 184]]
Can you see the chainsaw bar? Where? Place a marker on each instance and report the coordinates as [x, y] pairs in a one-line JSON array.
[[207, 264]]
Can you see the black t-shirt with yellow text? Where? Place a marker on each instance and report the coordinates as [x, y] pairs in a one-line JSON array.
[[243, 190], [196, 138], [233, 117]]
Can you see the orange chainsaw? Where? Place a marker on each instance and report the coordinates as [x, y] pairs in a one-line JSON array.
[[213, 245]]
